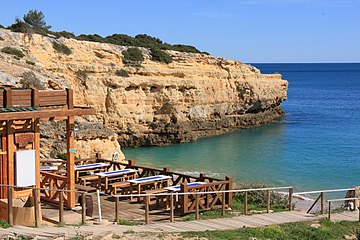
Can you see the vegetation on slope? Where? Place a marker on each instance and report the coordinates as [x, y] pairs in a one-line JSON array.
[[34, 22], [301, 231]]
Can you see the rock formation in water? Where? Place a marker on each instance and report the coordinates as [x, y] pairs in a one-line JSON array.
[[195, 95]]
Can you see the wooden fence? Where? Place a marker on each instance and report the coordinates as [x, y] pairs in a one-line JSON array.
[[28, 97]]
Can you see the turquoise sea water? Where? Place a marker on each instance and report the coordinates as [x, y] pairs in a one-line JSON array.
[[316, 145]]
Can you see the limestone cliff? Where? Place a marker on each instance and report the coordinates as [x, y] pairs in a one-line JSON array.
[[196, 95]]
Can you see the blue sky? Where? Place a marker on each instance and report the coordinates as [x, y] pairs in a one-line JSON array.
[[245, 30]]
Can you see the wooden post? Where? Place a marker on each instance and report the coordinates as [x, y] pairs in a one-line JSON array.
[[223, 204], [10, 206], [70, 164], [70, 155], [10, 152], [3, 164], [267, 201], [147, 202], [322, 202], [171, 207], [197, 214], [98, 156], [70, 98], [131, 163], [229, 187], [184, 199], [116, 210], [245, 203], [34, 97], [291, 191], [36, 147], [61, 207], [329, 213], [8, 98], [359, 213], [83, 208], [36, 206]]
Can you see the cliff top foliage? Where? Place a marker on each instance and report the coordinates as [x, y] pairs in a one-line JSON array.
[[34, 22]]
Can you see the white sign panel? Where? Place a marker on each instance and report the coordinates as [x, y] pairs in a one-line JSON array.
[[25, 174]]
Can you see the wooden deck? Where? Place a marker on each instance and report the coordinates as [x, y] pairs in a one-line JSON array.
[[258, 220], [127, 211]]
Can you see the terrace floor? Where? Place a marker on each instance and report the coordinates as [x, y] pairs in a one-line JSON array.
[[127, 211]]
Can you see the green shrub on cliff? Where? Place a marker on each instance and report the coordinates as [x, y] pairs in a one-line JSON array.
[[91, 38], [160, 56], [133, 55], [64, 34], [19, 26], [62, 48], [122, 73], [29, 80], [13, 51]]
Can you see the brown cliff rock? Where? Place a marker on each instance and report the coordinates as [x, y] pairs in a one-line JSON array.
[[194, 96]]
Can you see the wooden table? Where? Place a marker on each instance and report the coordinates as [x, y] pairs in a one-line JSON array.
[[124, 174], [148, 181], [177, 188], [48, 168], [88, 167]]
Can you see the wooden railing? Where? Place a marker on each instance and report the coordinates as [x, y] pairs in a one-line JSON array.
[[36, 197], [342, 199], [51, 185], [321, 197], [16, 97], [204, 197]]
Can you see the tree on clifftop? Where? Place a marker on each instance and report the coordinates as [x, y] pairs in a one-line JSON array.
[[36, 19]]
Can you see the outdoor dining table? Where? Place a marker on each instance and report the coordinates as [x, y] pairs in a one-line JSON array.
[[127, 173], [177, 188], [90, 166], [147, 181]]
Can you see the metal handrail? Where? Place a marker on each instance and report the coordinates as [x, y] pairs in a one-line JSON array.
[[325, 191]]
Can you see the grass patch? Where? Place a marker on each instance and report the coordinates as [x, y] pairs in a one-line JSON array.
[[122, 73], [62, 48], [129, 223], [294, 231], [13, 51], [4, 224]]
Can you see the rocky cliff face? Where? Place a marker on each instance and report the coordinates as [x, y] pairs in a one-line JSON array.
[[196, 95]]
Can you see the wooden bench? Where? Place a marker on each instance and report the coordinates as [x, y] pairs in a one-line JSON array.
[[85, 188], [88, 179], [158, 199], [114, 187]]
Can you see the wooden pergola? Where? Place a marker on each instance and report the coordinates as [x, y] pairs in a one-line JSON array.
[[21, 110]]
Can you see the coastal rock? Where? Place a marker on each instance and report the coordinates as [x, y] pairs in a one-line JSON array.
[[194, 96], [91, 138]]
